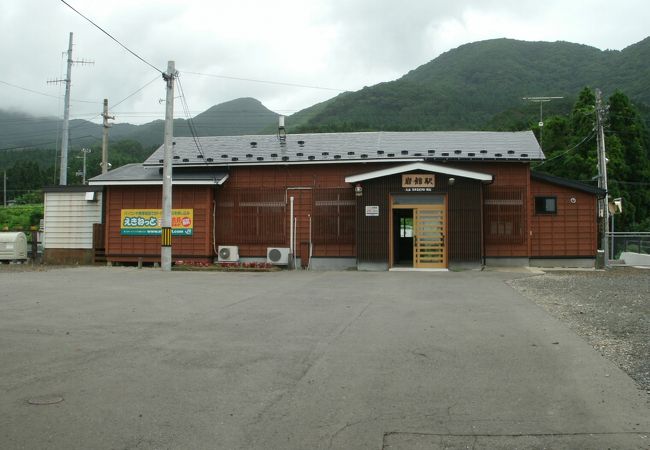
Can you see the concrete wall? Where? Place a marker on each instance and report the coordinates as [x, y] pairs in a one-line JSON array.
[[578, 263], [635, 259], [67, 256]]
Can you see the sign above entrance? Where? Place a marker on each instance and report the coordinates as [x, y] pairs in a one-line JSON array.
[[418, 182]]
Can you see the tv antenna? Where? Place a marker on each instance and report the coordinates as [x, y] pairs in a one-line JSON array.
[[541, 101]]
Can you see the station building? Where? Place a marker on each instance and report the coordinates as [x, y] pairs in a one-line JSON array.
[[372, 200]]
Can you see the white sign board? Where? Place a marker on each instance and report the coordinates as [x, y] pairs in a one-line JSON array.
[[372, 211]]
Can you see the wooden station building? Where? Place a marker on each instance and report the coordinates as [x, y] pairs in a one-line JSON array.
[[375, 200]]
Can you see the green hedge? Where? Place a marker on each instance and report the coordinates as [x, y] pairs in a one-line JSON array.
[[20, 217]]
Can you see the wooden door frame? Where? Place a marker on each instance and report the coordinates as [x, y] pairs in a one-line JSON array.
[[391, 243]]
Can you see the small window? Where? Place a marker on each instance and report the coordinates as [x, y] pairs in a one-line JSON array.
[[406, 227], [545, 205]]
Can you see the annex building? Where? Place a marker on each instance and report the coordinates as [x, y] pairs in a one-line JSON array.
[[375, 201]]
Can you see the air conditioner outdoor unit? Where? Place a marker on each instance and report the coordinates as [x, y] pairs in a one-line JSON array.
[[228, 253], [277, 255]]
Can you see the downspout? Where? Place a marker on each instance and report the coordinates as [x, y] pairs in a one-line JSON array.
[[310, 245], [214, 227], [295, 237], [483, 223], [291, 248]]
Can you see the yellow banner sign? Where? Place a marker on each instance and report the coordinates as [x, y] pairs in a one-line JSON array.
[[147, 222]]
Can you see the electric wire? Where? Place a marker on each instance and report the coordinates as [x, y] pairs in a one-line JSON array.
[[586, 138], [113, 38], [190, 121], [631, 183], [43, 93], [35, 146], [118, 103], [252, 80]]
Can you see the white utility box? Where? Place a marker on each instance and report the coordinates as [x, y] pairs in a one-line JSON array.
[[13, 246]]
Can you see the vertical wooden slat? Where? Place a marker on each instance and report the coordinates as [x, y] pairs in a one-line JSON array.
[[465, 226], [429, 247]]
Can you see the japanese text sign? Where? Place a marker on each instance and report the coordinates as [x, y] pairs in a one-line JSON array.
[[147, 222], [418, 181]]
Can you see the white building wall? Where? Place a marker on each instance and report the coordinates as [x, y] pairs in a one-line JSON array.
[[69, 218]]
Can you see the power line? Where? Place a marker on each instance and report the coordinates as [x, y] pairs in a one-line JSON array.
[[34, 146], [113, 38], [43, 93], [113, 106], [134, 93], [632, 183], [190, 122], [252, 80], [588, 137]]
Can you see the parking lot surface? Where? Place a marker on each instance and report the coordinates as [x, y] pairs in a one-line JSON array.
[[121, 358]]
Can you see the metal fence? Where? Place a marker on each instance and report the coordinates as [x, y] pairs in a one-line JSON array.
[[620, 242]]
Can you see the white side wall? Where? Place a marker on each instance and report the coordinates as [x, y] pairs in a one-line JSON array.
[[69, 218]]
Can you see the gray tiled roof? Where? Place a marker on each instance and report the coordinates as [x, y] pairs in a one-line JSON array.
[[352, 147], [138, 174]]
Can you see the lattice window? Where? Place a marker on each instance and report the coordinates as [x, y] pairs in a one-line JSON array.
[[505, 215], [252, 216], [334, 216]]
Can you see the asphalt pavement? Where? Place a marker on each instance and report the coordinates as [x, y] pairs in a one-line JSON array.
[[122, 358]]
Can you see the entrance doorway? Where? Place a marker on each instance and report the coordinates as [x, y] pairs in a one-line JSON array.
[[419, 229], [403, 237]]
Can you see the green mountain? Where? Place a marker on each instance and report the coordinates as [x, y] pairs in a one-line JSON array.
[[236, 117], [233, 118], [470, 86]]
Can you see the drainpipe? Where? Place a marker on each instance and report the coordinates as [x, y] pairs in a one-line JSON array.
[[291, 249]]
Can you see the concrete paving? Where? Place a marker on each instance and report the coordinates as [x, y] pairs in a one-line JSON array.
[[140, 359]]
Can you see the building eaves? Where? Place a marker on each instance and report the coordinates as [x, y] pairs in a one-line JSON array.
[[137, 174], [577, 185], [426, 167], [73, 188]]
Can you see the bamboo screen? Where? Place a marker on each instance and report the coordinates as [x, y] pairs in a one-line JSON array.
[[505, 215], [261, 216], [252, 216], [334, 216]]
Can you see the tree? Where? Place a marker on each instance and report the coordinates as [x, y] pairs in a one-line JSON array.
[[570, 147], [628, 150]]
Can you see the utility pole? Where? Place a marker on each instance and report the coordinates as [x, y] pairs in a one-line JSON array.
[[84, 152], [65, 136], [105, 137], [4, 191], [541, 101], [166, 219], [602, 174]]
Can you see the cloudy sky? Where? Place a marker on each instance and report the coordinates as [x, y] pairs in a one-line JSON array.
[[287, 54]]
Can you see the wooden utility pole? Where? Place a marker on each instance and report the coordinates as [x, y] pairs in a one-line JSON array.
[[166, 219], [105, 137], [602, 175]]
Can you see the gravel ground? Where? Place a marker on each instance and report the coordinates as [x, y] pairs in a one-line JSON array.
[[610, 309]]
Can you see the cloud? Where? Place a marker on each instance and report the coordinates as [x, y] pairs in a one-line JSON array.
[[327, 43]]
